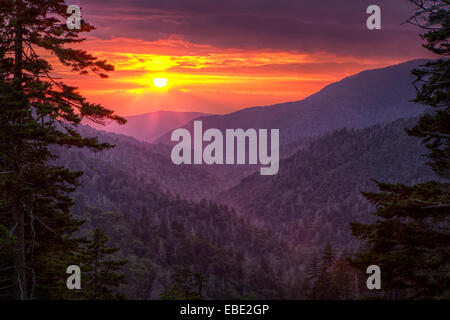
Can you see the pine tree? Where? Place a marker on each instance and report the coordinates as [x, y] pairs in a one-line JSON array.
[[320, 275], [312, 275], [188, 286], [6, 240], [313, 270], [432, 84], [37, 111], [410, 242], [100, 271], [328, 256], [321, 288], [342, 276]]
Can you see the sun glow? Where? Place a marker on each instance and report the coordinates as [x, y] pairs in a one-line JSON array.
[[160, 82], [206, 78]]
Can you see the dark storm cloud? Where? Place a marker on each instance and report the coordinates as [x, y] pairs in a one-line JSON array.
[[336, 26]]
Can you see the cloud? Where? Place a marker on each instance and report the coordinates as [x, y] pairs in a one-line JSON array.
[[293, 25], [220, 56]]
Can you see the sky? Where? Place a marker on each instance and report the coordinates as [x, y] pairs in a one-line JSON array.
[[222, 56]]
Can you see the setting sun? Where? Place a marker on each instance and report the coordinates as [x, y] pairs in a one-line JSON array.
[[160, 82]]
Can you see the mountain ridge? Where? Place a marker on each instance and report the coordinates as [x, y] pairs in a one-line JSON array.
[[364, 99]]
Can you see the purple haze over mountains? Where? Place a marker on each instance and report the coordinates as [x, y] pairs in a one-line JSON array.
[[150, 126]]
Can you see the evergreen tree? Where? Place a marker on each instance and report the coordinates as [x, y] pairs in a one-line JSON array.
[[321, 289], [320, 275], [188, 286], [311, 279], [313, 270], [100, 270], [37, 111], [410, 242], [305, 290], [6, 240], [342, 279], [432, 84], [328, 256]]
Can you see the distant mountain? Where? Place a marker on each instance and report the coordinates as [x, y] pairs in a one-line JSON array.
[[367, 98], [150, 126], [317, 192], [146, 163]]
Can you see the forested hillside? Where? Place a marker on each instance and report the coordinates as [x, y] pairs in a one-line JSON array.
[[317, 191], [160, 234], [281, 222], [146, 163]]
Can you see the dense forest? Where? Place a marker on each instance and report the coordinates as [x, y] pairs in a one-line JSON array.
[[354, 188], [283, 223], [318, 190], [160, 233]]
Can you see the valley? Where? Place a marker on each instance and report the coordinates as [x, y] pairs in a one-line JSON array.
[[251, 235]]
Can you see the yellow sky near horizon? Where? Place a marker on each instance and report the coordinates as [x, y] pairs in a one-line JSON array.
[[204, 78]]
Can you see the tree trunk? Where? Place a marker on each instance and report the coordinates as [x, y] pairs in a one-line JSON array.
[[19, 275], [19, 268]]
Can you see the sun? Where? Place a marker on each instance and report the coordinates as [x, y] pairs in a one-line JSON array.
[[160, 82]]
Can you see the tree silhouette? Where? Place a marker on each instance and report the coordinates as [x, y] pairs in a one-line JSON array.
[[100, 270], [188, 286], [38, 110], [410, 242]]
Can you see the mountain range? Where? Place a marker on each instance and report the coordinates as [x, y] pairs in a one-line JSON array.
[[253, 235], [367, 98]]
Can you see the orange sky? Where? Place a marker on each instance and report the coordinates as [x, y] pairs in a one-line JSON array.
[[219, 57], [203, 78]]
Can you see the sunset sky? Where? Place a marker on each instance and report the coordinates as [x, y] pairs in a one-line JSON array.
[[221, 56]]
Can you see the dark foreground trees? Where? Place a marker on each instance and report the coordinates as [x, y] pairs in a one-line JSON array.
[[101, 270], [188, 286], [411, 240], [37, 111]]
